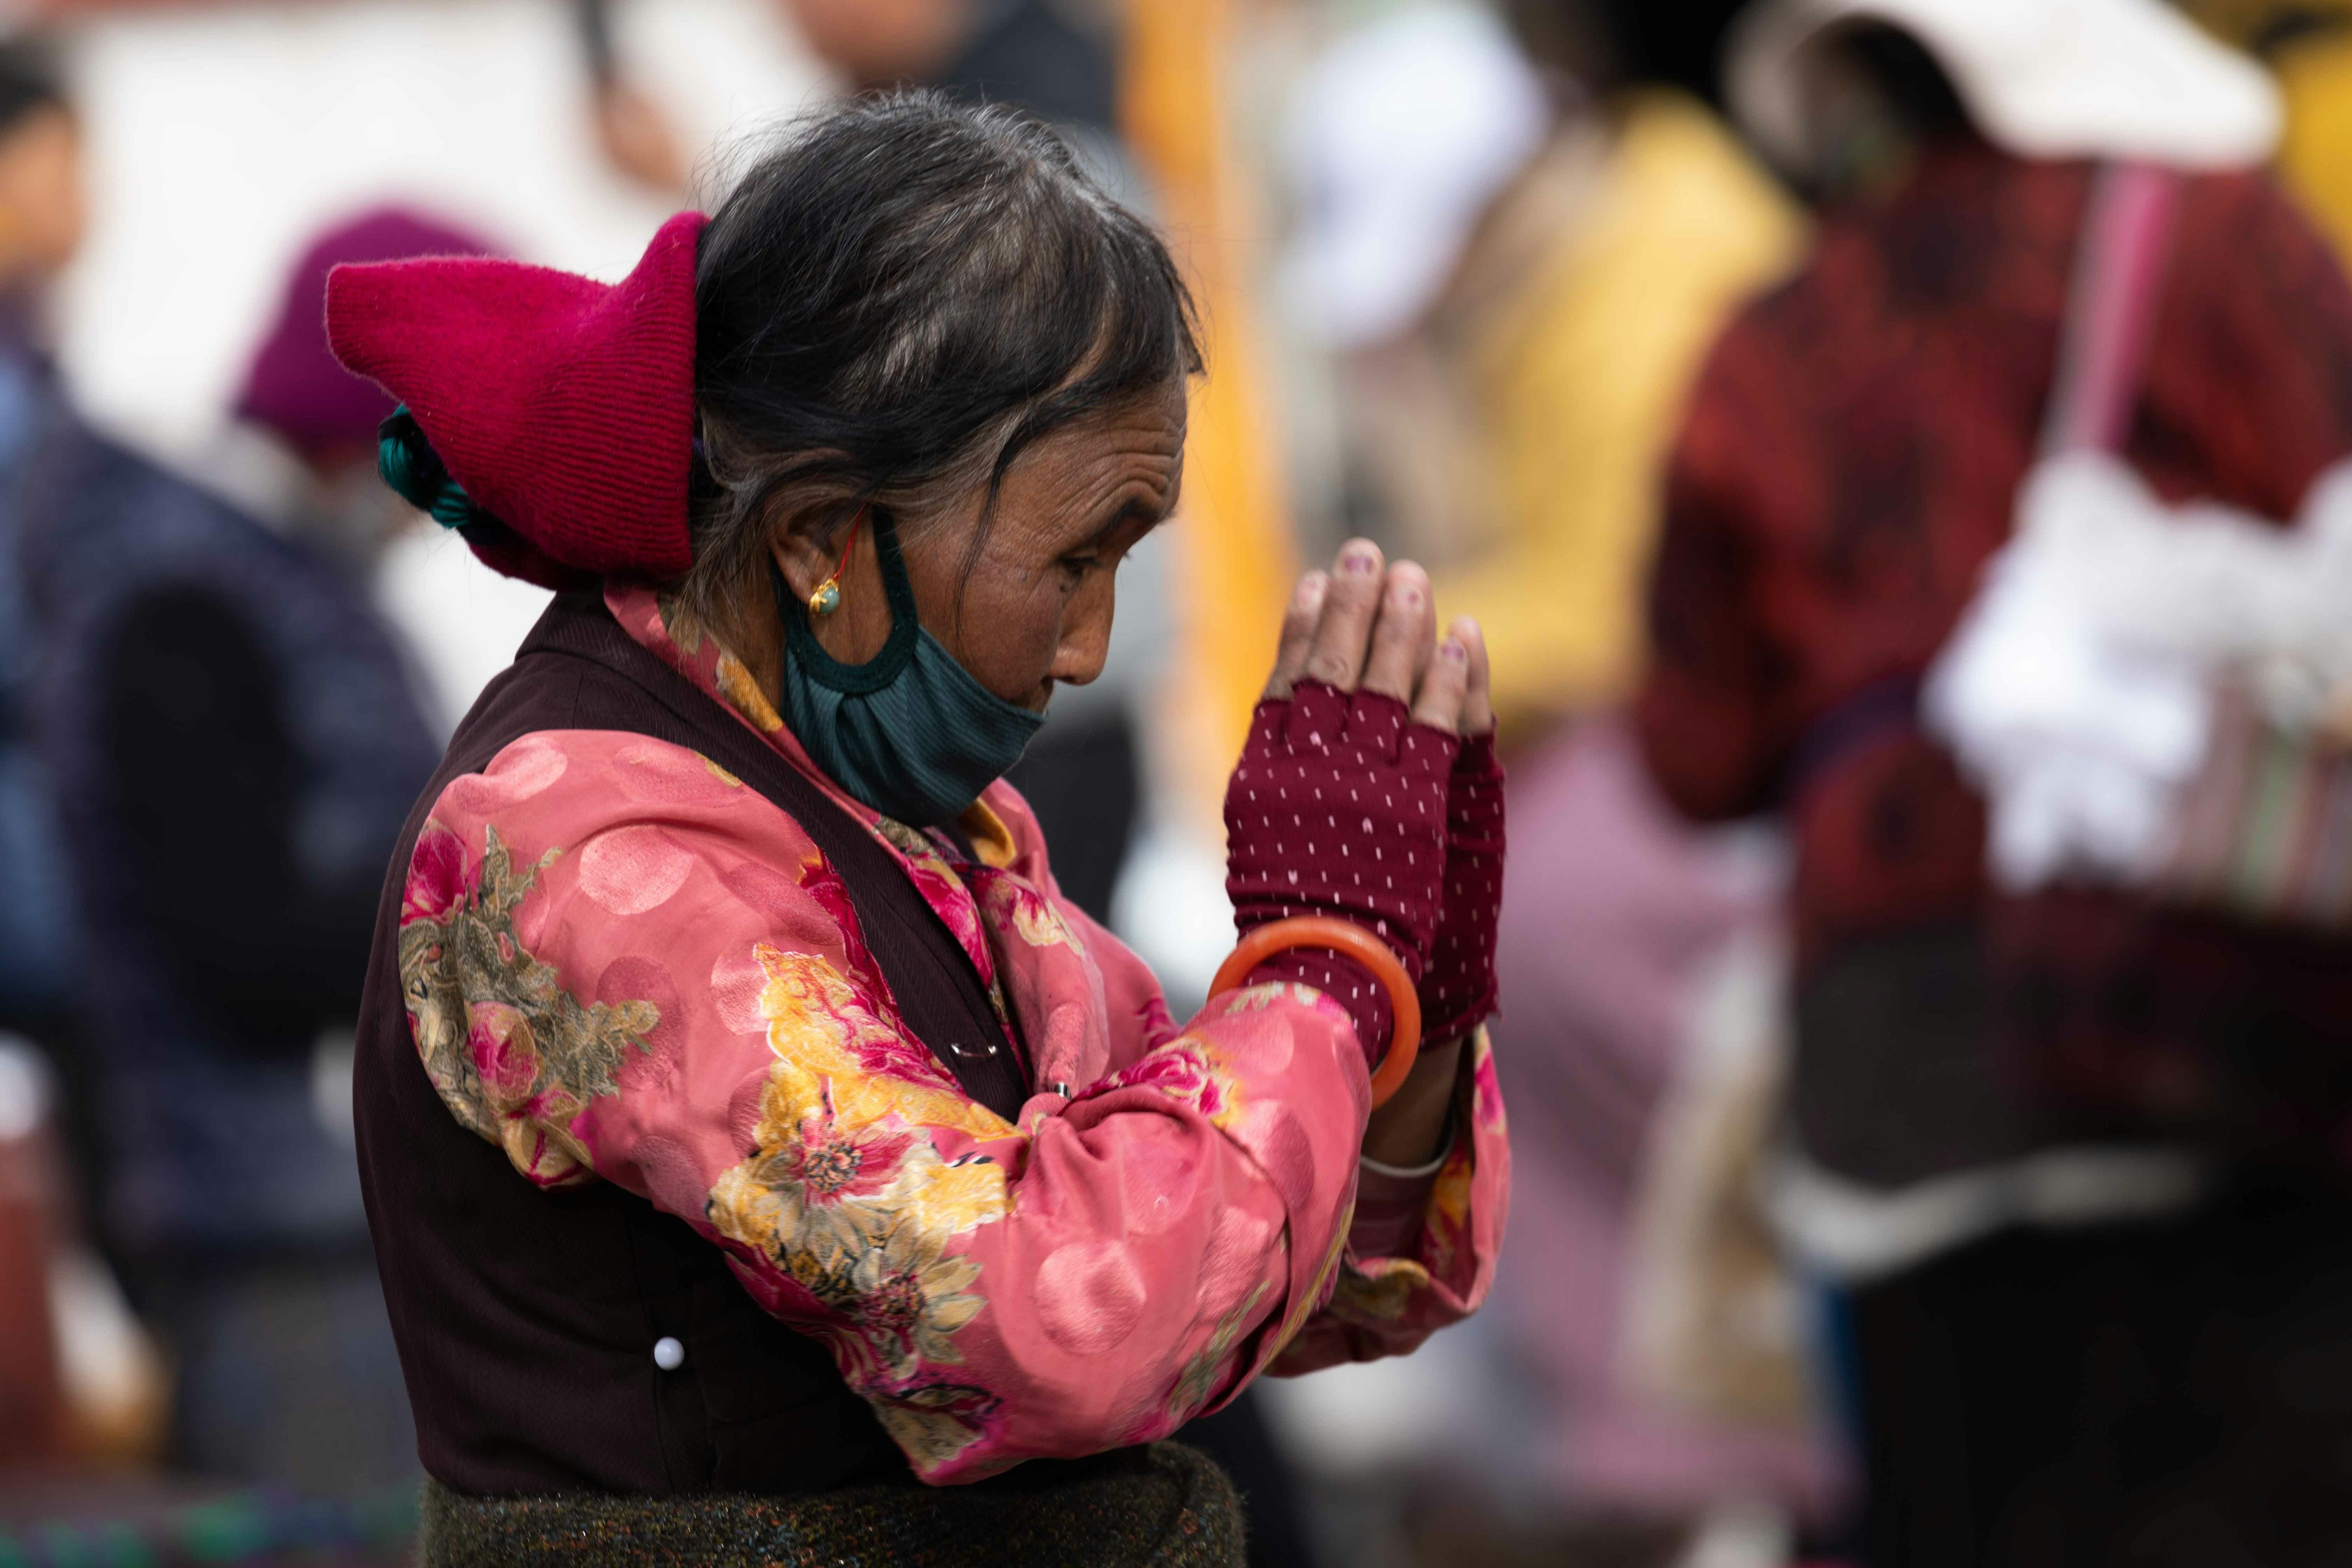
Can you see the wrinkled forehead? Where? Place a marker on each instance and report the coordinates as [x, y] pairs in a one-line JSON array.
[[1113, 468]]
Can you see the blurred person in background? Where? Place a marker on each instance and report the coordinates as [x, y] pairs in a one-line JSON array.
[[1518, 242], [636, 136], [459, 624], [41, 220], [1056, 59], [235, 740], [84, 1381], [680, 1185], [323, 415], [2077, 1156]]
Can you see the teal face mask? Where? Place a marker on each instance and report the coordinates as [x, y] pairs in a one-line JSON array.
[[909, 732]]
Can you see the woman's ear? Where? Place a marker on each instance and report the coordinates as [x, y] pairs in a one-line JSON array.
[[805, 538]]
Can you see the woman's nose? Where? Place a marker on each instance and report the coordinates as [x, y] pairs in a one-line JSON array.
[[1086, 639]]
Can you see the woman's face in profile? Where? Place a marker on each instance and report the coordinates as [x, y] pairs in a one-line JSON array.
[[1035, 608]]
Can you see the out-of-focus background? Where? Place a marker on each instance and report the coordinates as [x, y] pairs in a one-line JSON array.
[[1923, 672]]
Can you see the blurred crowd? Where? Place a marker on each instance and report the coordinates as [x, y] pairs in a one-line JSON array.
[[1895, 449]]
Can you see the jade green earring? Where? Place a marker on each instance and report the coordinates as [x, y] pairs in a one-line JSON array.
[[827, 597]]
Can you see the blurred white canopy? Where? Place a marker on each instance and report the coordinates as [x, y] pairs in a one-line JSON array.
[[2043, 78], [1397, 137]]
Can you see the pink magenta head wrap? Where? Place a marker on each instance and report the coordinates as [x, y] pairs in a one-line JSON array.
[[563, 407]]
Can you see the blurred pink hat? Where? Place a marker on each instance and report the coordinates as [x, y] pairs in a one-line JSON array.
[[294, 385]]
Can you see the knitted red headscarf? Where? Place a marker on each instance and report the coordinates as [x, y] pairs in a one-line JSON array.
[[563, 407]]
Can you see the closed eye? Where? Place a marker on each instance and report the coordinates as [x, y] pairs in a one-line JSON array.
[[1120, 533]]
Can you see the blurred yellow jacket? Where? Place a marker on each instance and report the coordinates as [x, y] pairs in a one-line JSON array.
[[1578, 380], [2307, 44]]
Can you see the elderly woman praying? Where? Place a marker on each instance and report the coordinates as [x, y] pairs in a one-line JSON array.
[[764, 1160]]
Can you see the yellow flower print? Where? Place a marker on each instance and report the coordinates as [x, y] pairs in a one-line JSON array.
[[744, 694], [912, 1299], [1202, 1374], [1380, 1292], [903, 1297], [679, 623], [1305, 1306], [808, 1005], [814, 1182], [1449, 1195], [1266, 993], [955, 1197], [1032, 916], [933, 1424], [869, 1098], [822, 1182], [816, 1021], [1040, 923]]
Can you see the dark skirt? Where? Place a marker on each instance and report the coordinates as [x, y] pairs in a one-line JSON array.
[[1166, 1506]]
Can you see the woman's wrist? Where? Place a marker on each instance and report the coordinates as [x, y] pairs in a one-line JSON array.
[[1391, 1201], [1409, 1130]]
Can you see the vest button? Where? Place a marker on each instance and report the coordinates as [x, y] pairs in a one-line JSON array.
[[668, 1354]]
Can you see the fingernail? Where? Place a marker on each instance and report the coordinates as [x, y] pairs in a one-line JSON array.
[[1357, 562], [1452, 650], [1310, 591], [1405, 596]]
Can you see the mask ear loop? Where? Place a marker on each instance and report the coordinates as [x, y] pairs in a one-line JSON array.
[[898, 650]]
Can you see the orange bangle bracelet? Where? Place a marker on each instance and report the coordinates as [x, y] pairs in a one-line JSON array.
[[1346, 937]]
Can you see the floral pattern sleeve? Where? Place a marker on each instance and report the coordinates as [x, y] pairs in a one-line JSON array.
[[1368, 1303], [620, 963], [1386, 1305]]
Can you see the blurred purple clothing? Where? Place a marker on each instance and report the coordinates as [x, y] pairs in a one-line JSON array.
[[1612, 911], [294, 385]]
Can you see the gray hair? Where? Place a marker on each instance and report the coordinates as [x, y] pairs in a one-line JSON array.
[[893, 304]]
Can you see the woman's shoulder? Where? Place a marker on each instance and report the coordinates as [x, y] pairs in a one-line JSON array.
[[564, 786]]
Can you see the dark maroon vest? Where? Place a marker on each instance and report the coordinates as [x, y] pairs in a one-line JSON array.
[[527, 1320]]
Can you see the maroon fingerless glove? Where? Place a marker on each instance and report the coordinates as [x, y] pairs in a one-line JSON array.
[[1339, 807], [1457, 989]]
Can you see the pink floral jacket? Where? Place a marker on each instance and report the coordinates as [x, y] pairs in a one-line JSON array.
[[621, 963]]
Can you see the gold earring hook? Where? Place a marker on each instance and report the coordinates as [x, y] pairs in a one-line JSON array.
[[827, 597]]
